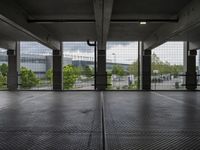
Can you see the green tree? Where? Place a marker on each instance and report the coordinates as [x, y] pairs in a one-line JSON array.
[[4, 69], [165, 67], [118, 70], [109, 80], [3, 80], [3, 75], [176, 69], [87, 71], [133, 68], [70, 75], [28, 78], [49, 75]]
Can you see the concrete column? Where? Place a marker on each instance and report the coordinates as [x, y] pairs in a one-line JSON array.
[[145, 68], [140, 50], [191, 74], [185, 56], [13, 67], [101, 78], [57, 70]]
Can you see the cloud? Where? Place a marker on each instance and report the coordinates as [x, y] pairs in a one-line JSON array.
[[2, 50], [171, 52], [119, 52], [34, 48], [122, 52], [77, 47]]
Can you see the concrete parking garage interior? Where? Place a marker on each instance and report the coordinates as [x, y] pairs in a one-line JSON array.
[[100, 117]]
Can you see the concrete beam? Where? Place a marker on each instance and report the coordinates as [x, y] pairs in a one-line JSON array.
[[8, 44], [194, 45], [116, 19], [15, 16], [103, 12], [188, 20], [98, 11]]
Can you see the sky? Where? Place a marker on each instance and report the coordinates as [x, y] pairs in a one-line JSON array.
[[117, 52], [122, 52], [127, 52], [171, 52]]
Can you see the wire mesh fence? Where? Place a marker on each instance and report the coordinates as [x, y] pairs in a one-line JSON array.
[[3, 69], [168, 70], [35, 67], [122, 65], [78, 66], [168, 67]]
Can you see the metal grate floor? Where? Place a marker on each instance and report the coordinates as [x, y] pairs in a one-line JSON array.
[[152, 121], [73, 120], [50, 121]]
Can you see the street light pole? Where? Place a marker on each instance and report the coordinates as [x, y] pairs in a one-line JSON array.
[[114, 56]]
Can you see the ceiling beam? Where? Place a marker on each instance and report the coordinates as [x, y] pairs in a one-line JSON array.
[[112, 21], [103, 12], [15, 16], [90, 18], [188, 20], [98, 12], [194, 45], [6, 43], [10, 45]]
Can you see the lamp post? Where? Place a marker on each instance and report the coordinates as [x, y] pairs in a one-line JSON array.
[[114, 56]]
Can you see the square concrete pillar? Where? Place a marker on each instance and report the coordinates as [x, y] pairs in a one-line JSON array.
[[101, 75], [145, 68], [190, 62], [13, 67], [57, 70]]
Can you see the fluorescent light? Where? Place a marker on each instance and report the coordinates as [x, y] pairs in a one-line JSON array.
[[143, 22]]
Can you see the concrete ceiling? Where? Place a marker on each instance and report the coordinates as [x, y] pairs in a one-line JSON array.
[[11, 33], [80, 20], [59, 8], [148, 7]]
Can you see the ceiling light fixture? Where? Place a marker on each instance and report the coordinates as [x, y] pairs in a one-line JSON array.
[[143, 22]]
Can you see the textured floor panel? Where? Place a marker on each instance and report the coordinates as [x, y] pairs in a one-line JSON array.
[[145, 120], [50, 121], [153, 142], [72, 120], [49, 141]]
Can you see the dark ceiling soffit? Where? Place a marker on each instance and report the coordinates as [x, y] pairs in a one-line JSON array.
[[21, 29], [48, 21]]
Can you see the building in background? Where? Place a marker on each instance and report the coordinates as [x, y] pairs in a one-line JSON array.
[[39, 64]]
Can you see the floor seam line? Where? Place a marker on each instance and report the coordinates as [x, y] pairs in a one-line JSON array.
[[103, 121]]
